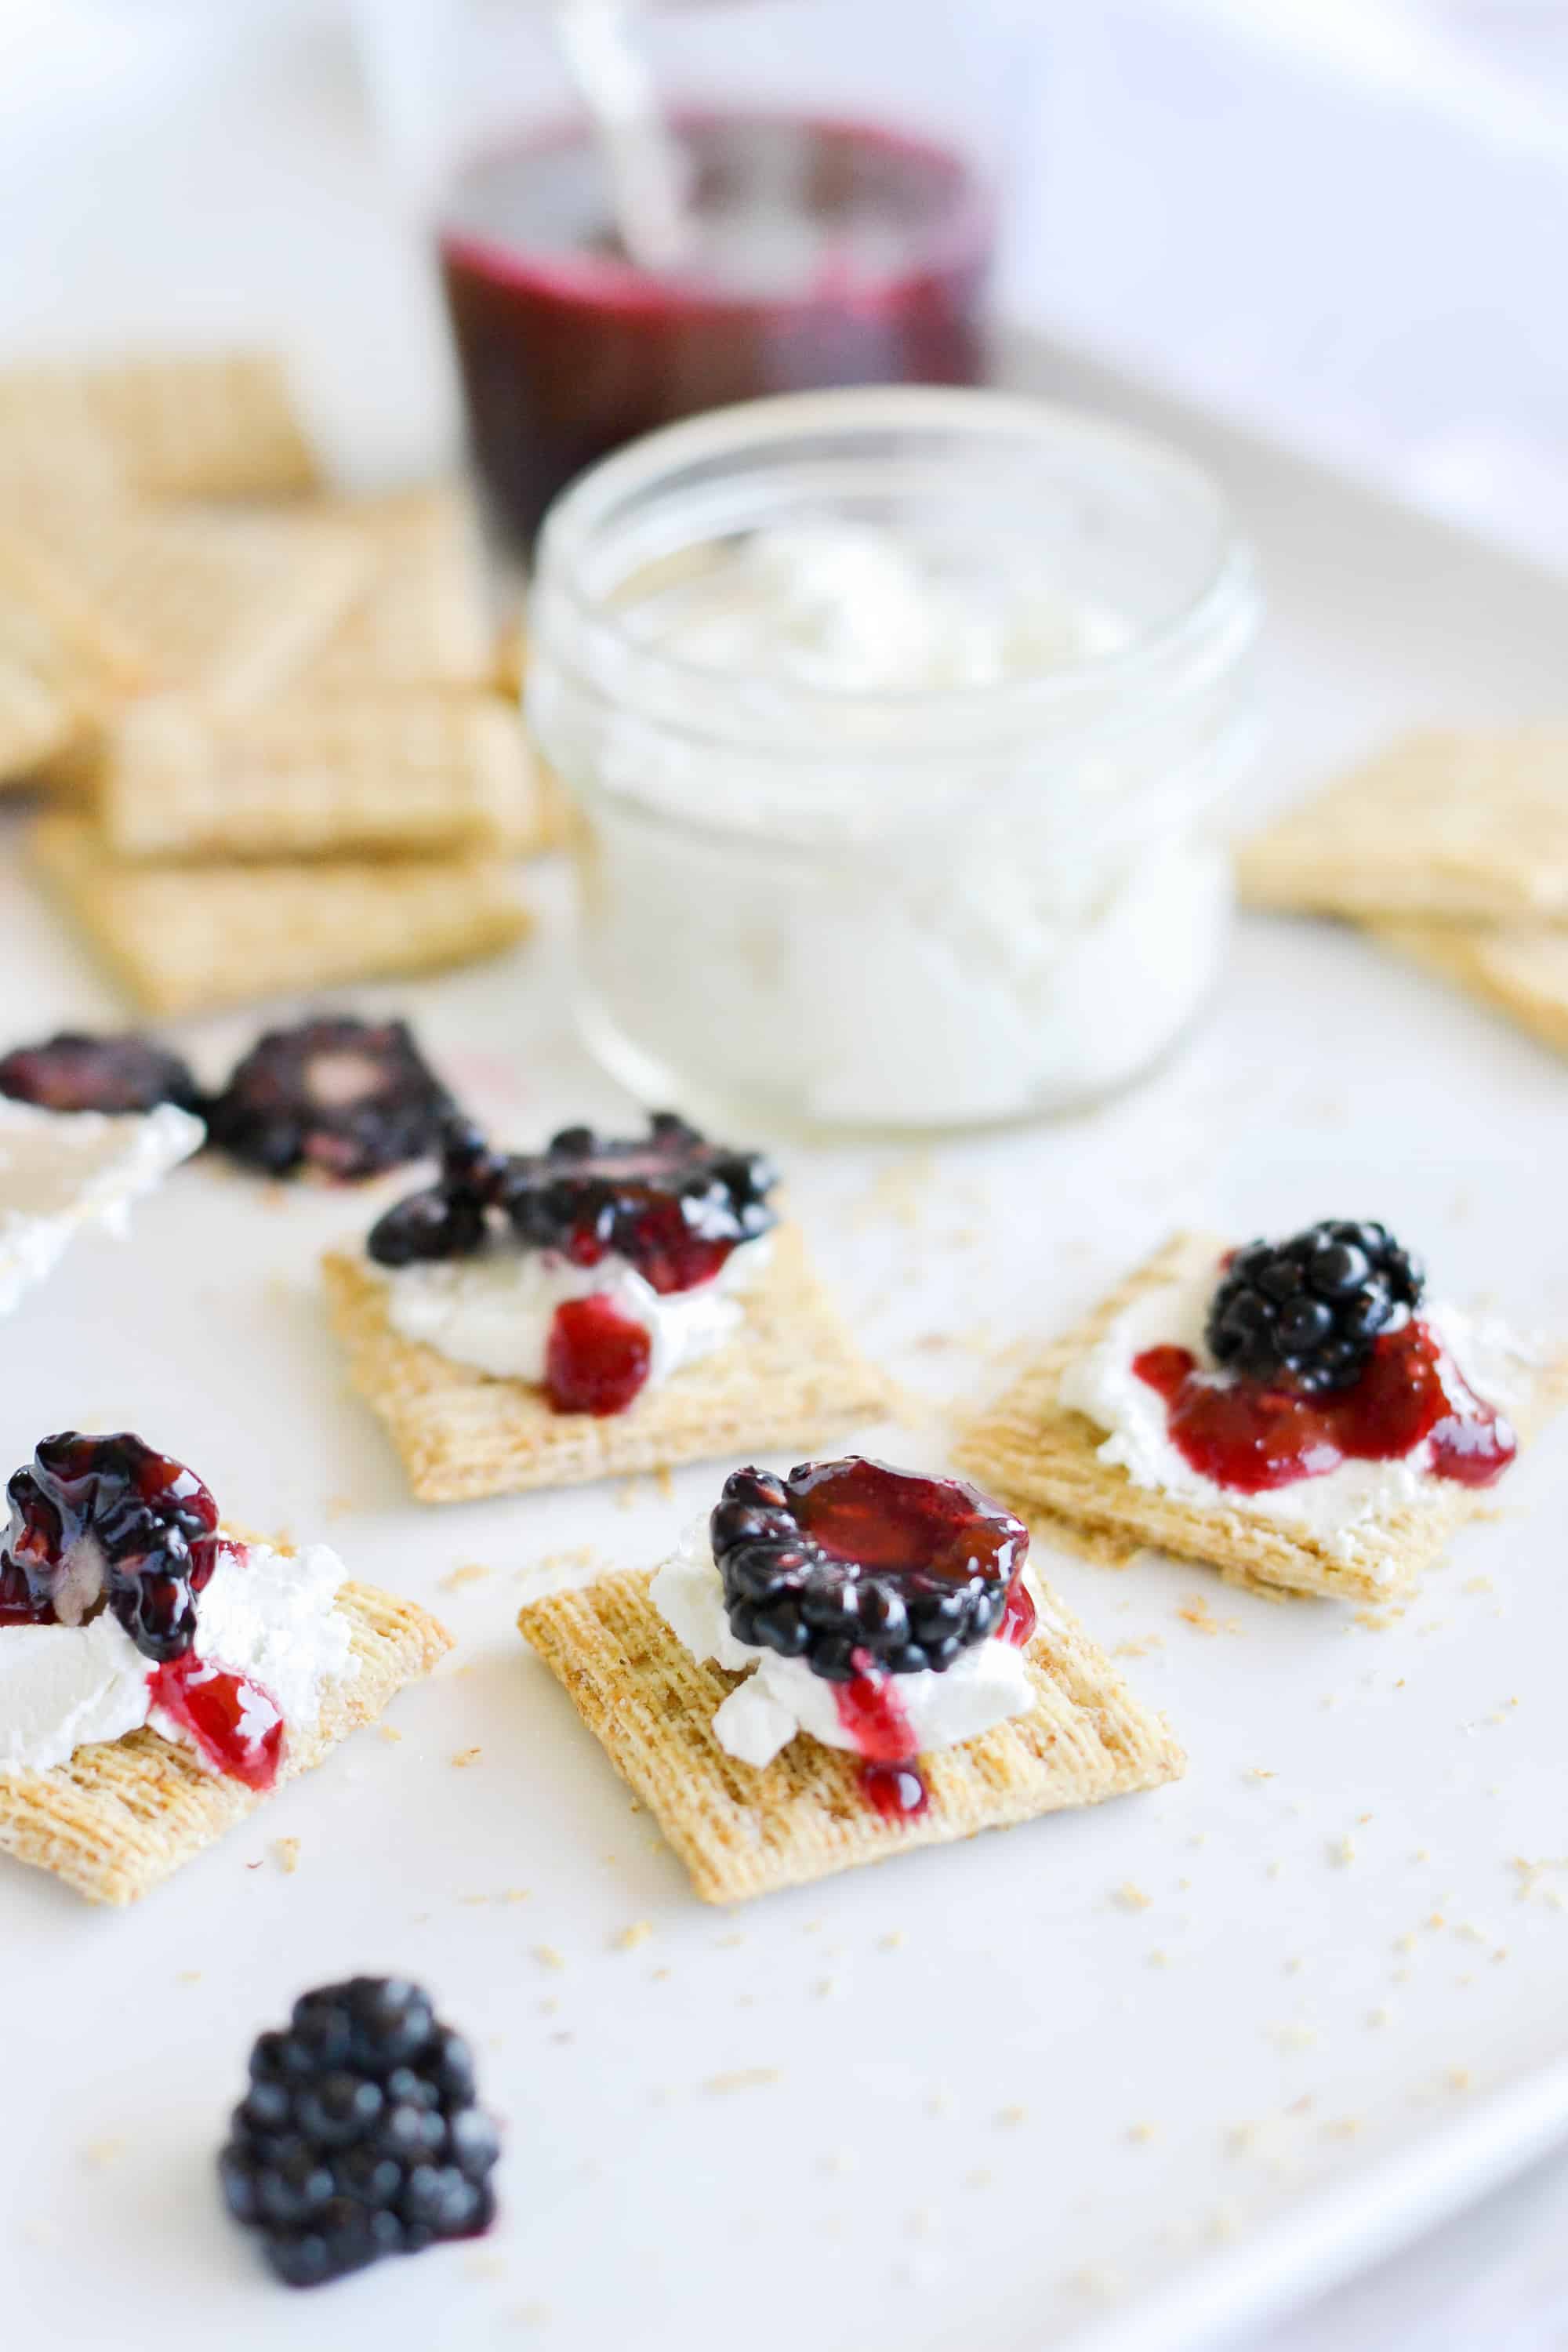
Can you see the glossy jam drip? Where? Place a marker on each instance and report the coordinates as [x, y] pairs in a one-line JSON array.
[[862, 1511], [1252, 1438], [235, 1725], [872, 1714], [1019, 1616], [596, 1359]]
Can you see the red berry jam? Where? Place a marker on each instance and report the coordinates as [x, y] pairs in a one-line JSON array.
[[872, 1714], [1018, 1618], [861, 1510], [235, 1725], [1252, 1437], [597, 1359]]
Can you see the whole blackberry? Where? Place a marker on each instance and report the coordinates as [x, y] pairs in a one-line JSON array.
[[850, 1560], [345, 1097], [359, 2136], [72, 1072], [106, 1518], [671, 1204], [1308, 1310]]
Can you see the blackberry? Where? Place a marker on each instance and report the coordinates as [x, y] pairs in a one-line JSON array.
[[359, 2136], [671, 1204], [107, 1519], [1308, 1310], [72, 1072], [849, 1561], [345, 1097]]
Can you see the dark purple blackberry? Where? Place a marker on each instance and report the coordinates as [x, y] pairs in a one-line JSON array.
[[106, 1520], [71, 1072], [847, 1562], [359, 2136], [345, 1097], [1308, 1310], [670, 1203]]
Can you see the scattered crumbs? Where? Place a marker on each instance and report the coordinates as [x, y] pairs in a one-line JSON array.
[[665, 1483], [1294, 2037], [1405, 1943], [1302, 2106], [1343, 2127], [420, 1918], [891, 1940], [548, 1956], [1159, 1959], [1199, 1837], [657, 1976], [634, 1804], [1435, 1919], [531, 2315], [483, 2265], [1240, 2138], [743, 2078], [1401, 1976], [1294, 1966], [1276, 1870], [390, 1731], [1012, 2115], [1094, 2278], [940, 2103], [548, 2008], [1258, 1772], [1223, 2220], [286, 1853], [100, 2152], [1500, 1954], [1130, 1897], [1196, 1611], [472, 1571], [1342, 1850], [728, 1943], [982, 2178], [1478, 1584], [338, 1507], [466, 1755], [189, 1976], [1381, 2015], [1458, 2078], [512, 1894], [637, 1933], [1142, 1648], [1142, 2134], [826, 1988]]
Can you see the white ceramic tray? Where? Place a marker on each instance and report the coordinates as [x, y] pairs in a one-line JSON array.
[[984, 2097]]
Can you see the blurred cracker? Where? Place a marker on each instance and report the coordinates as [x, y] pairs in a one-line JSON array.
[[218, 426], [1036, 1453], [791, 1378], [1521, 970], [421, 618], [125, 1813], [36, 723], [185, 939], [1453, 823], [743, 1832], [343, 777]]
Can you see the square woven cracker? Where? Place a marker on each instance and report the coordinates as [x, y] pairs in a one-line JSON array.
[[1454, 823], [227, 602], [1521, 968], [219, 426], [1036, 1452], [185, 940], [791, 1377], [369, 775], [36, 723], [125, 1813], [422, 618], [741, 1832]]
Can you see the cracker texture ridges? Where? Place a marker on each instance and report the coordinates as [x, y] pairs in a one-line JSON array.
[[181, 941], [1520, 970], [791, 1378], [368, 774], [197, 427], [742, 1832], [1454, 824], [124, 1814], [1036, 1454]]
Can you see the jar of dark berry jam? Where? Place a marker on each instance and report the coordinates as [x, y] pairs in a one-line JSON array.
[[898, 721], [835, 204]]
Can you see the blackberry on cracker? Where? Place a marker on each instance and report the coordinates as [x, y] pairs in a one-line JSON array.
[[1308, 1310]]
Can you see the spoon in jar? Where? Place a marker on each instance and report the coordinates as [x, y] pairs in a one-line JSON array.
[[649, 181]]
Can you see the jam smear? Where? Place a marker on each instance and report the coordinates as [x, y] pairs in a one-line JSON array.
[[871, 1712], [235, 1724], [863, 1511], [1020, 1617], [1252, 1438], [596, 1359]]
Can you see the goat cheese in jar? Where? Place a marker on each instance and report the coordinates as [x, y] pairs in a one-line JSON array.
[[898, 721]]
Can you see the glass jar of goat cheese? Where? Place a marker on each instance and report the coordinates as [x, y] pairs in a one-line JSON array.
[[897, 722]]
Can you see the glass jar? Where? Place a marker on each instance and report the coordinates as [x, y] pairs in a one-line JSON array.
[[828, 212], [897, 722]]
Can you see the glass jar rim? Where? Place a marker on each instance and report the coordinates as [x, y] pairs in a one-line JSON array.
[[582, 517]]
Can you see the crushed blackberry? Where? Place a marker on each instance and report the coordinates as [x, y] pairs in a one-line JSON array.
[[107, 1519], [669, 1202], [346, 1099], [1307, 1311], [849, 1561], [359, 2136], [72, 1072]]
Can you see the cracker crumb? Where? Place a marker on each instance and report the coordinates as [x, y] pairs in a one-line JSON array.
[[631, 1937], [466, 1755], [1142, 2134], [982, 2178], [1130, 1897], [1159, 1958], [389, 1731], [286, 1853], [97, 2153], [472, 1571], [728, 1943], [1458, 2078], [1341, 1852], [1013, 2115], [827, 1988], [891, 1940], [663, 1479], [744, 2078], [531, 2315], [189, 1976], [1196, 1611], [1239, 2138], [1381, 2015], [548, 1956], [483, 2265], [1223, 2220], [1343, 2127]]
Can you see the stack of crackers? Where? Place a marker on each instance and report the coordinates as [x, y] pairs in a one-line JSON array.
[[271, 724], [1451, 848]]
